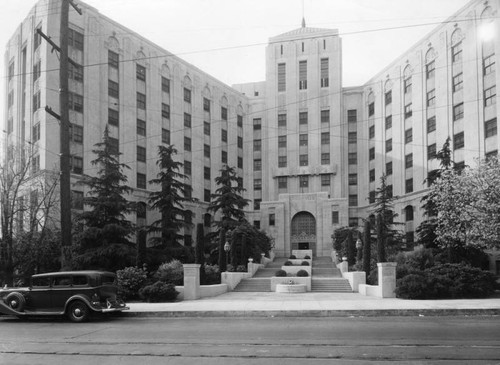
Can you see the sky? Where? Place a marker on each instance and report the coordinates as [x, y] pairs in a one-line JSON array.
[[227, 38]]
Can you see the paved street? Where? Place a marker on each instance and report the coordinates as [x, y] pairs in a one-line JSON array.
[[408, 340]]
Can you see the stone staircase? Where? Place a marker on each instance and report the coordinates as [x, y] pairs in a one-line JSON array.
[[325, 277]]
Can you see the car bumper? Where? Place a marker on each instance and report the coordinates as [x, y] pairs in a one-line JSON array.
[[109, 310]]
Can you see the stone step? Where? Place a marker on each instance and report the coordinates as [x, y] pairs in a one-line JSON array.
[[331, 285], [254, 285]]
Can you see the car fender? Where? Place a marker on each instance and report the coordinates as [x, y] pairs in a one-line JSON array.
[[82, 298], [8, 310]]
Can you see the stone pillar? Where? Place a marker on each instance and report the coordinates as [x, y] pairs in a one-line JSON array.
[[191, 281], [387, 279], [344, 265]]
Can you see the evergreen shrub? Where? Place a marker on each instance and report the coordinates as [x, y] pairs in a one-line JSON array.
[[159, 292], [292, 257], [288, 263], [212, 275], [171, 272], [130, 280], [280, 273], [307, 257], [302, 273], [304, 263]]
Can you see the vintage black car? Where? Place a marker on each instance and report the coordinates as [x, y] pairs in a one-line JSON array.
[[76, 294]]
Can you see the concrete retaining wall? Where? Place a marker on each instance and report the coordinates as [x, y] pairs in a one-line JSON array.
[[355, 278], [206, 291], [285, 280]]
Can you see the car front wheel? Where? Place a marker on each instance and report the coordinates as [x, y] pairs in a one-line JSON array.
[[16, 301], [78, 311]]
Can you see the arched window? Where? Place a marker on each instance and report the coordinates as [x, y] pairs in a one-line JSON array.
[[303, 223], [409, 213]]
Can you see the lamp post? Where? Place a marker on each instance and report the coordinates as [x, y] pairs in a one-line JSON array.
[[227, 248], [359, 246]]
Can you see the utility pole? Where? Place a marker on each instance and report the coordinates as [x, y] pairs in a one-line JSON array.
[[64, 152]]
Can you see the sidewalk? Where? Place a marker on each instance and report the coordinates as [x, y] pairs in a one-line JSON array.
[[244, 304]]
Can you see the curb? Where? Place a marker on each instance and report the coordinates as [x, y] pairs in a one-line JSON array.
[[321, 313]]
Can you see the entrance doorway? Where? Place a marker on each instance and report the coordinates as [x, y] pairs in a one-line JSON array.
[[303, 235]]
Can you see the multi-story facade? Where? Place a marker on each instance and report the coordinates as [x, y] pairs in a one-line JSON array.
[[310, 152]]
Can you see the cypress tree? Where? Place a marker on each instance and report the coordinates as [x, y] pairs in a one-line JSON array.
[[367, 248]]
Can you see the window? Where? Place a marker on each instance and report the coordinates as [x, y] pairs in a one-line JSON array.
[[165, 85], [187, 167], [11, 99], [325, 180], [489, 65], [37, 39], [239, 121], [458, 111], [257, 164], [456, 52], [352, 116], [141, 212], [371, 153], [282, 161], [223, 135], [388, 168], [257, 144], [371, 132], [207, 220], [303, 140], [459, 166], [490, 96], [141, 154], [388, 97], [36, 100], [77, 200], [389, 191], [141, 101], [223, 156], [281, 141], [324, 72], [353, 179], [408, 135], [325, 158], [75, 39], [35, 134], [431, 98], [76, 133], [113, 117], [113, 89], [491, 154], [388, 145], [206, 150], [490, 128], [240, 142], [206, 195], [353, 158], [408, 111], [206, 173], [257, 124], [141, 181], [408, 186], [272, 219], [187, 95], [407, 85], [256, 206], [371, 109], [281, 77], [388, 122], [75, 72], [325, 116], [114, 146], [431, 151], [409, 160], [165, 136], [352, 137], [187, 120], [353, 200], [206, 128], [304, 181], [371, 197], [302, 75], [240, 162], [35, 164], [430, 70], [458, 82], [282, 182], [113, 59], [303, 160], [140, 72], [75, 102], [409, 213], [165, 111], [335, 217], [223, 113], [303, 118], [372, 175], [257, 184], [458, 141], [77, 165], [141, 127], [187, 144], [431, 124], [281, 120], [37, 70]]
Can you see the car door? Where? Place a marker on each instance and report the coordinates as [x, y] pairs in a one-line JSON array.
[[61, 291], [38, 297]]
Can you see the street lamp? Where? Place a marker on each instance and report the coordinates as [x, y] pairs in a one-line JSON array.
[[227, 248]]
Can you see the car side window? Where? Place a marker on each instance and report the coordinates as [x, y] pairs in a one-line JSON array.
[[61, 281], [41, 282], [80, 280], [107, 279]]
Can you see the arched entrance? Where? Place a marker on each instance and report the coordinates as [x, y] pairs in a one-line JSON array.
[[303, 235]]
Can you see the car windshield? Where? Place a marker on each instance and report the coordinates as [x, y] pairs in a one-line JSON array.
[[108, 279]]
